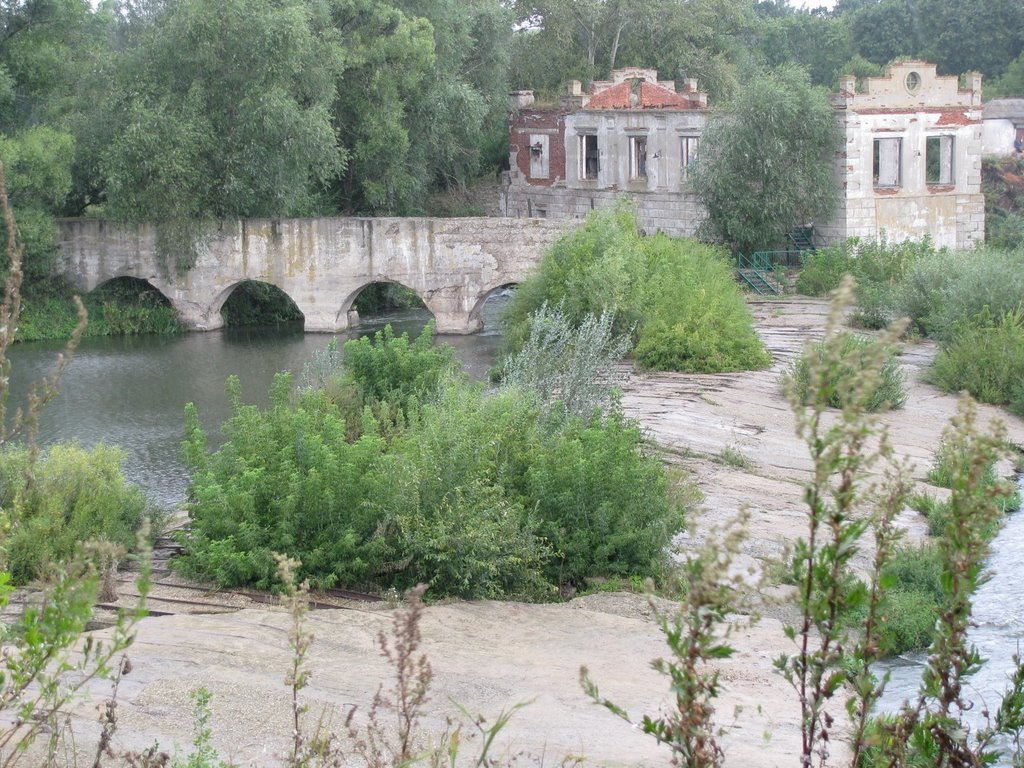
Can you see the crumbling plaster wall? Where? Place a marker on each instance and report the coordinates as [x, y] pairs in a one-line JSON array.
[[890, 107], [673, 213]]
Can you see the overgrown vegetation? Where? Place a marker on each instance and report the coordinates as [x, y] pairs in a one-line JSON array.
[[64, 496], [397, 471], [969, 301], [890, 390], [385, 297], [256, 303], [48, 508], [831, 658], [1002, 183], [677, 297], [119, 308]]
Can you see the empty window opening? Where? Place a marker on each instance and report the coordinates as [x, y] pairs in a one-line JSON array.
[[688, 153], [539, 156], [590, 159], [638, 157], [887, 163], [939, 160]]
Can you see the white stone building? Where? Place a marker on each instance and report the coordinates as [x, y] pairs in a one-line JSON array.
[[910, 165]]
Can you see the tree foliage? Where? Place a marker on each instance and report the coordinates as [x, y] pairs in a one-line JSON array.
[[677, 297], [225, 111], [766, 161]]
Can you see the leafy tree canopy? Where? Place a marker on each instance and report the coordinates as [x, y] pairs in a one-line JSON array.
[[767, 161]]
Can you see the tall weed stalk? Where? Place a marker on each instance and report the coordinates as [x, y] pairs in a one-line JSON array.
[[838, 517], [49, 659], [697, 636]]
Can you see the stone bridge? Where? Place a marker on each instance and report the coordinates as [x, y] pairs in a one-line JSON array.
[[321, 264]]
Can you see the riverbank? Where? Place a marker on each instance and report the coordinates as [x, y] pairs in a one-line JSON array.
[[114, 310], [489, 656]]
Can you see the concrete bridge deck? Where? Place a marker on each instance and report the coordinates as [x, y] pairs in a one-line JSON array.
[[321, 264]]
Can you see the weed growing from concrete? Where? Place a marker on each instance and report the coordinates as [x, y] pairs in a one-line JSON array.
[[697, 635]]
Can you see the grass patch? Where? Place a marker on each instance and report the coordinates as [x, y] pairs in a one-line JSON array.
[[986, 358], [733, 457], [890, 391]]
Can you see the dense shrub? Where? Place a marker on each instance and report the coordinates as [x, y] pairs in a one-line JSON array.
[[940, 293], [476, 494], [603, 503], [889, 392], [877, 267], [676, 296], [985, 358], [823, 270], [76, 495], [392, 368], [696, 317]]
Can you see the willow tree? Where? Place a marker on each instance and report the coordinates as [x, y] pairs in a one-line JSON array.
[[766, 161]]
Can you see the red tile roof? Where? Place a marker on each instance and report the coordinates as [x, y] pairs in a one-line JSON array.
[[651, 97]]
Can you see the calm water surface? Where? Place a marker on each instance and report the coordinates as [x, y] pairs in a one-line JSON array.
[[132, 391]]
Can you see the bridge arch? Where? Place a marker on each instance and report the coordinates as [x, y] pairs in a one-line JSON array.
[[131, 283], [271, 298], [476, 314], [348, 314]]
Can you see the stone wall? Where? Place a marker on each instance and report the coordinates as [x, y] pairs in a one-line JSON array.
[[677, 214], [322, 264], [910, 111]]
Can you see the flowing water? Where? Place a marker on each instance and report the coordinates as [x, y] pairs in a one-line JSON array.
[[132, 391], [999, 619]]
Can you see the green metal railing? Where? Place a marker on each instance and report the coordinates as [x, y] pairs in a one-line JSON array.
[[753, 270]]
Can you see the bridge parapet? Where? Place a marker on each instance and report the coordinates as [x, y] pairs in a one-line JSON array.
[[322, 264]]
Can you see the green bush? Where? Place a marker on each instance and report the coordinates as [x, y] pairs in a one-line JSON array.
[[76, 495], [390, 368], [985, 358], [476, 494], [603, 503], [286, 480], [823, 270], [890, 391], [696, 318], [678, 297], [940, 293], [877, 266]]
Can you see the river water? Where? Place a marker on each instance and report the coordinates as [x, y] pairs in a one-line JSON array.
[[999, 626], [132, 391]]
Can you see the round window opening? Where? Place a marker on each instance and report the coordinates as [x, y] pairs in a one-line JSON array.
[[913, 82]]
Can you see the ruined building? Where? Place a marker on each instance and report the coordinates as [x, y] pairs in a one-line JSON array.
[[909, 166], [631, 134]]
